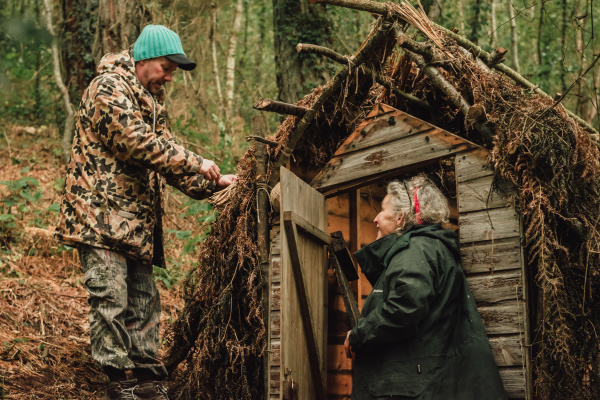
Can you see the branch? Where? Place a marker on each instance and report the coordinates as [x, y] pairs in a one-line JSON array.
[[280, 107], [445, 87], [378, 35], [511, 73], [324, 51], [385, 9]]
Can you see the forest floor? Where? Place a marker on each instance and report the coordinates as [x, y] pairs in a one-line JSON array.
[[44, 330]]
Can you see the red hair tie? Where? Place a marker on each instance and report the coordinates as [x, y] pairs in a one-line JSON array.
[[417, 207]]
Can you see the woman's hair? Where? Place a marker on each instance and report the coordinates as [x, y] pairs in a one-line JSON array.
[[431, 207]]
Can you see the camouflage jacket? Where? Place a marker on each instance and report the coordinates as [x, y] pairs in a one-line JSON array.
[[122, 151]]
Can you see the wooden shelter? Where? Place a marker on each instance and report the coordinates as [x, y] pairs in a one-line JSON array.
[[308, 320], [264, 317]]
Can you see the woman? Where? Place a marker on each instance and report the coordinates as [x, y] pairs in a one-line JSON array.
[[420, 334]]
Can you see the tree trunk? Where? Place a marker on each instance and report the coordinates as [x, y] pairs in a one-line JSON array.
[[297, 21], [213, 47], [93, 28], [476, 21], [433, 9], [233, 39], [493, 24], [514, 39], [70, 119], [563, 46]]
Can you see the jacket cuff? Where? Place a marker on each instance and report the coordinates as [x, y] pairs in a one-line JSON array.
[[353, 339], [196, 167]]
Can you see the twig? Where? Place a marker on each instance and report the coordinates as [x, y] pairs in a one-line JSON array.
[[271, 143], [8, 144]]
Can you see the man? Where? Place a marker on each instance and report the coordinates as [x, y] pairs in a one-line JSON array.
[[122, 154]]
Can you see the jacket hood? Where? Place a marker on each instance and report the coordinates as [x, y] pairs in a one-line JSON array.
[[379, 253], [120, 63], [123, 65]]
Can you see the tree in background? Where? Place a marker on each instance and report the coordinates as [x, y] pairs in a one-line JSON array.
[[297, 21]]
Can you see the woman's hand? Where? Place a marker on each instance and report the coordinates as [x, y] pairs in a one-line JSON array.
[[347, 345]]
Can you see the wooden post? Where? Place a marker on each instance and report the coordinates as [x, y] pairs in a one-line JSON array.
[[262, 212]]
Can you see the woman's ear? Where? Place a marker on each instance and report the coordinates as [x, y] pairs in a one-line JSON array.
[[400, 220]]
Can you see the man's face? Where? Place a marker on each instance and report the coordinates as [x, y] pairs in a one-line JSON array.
[[155, 72]]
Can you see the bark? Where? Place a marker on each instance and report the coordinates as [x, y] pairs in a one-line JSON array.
[[233, 39], [514, 40], [70, 119], [563, 45], [476, 22], [93, 28], [433, 8]]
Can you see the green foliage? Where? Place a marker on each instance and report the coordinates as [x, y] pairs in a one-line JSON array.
[[27, 90], [15, 204]]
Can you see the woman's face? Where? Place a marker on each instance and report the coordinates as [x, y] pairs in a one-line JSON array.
[[386, 221]]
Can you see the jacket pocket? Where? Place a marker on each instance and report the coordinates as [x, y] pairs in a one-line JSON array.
[[406, 385]]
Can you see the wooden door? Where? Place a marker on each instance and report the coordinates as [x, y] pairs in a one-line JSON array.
[[303, 290]]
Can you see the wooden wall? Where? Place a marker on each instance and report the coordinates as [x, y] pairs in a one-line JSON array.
[[491, 252]]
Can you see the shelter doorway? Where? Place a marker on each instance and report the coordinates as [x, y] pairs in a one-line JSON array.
[[352, 213]]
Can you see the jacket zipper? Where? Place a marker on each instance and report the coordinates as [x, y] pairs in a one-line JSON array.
[[154, 111]]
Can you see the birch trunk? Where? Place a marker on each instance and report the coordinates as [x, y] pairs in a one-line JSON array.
[[70, 120], [233, 39], [514, 39], [493, 24], [213, 47]]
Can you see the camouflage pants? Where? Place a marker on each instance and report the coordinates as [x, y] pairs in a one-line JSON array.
[[125, 311]]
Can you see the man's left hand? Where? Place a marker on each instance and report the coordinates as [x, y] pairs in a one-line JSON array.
[[225, 180]]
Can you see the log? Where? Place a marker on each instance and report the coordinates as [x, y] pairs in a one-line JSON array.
[[280, 107]]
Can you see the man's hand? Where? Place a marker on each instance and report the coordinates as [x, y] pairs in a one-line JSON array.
[[210, 170], [225, 180], [347, 345]]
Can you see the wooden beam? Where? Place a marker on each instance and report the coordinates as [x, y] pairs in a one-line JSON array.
[[307, 228], [311, 344]]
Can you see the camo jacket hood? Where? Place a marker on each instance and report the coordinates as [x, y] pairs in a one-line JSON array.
[[122, 153]]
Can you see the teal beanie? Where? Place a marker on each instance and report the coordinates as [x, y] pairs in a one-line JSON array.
[[156, 41]]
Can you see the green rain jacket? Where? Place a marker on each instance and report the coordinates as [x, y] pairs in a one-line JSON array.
[[420, 335]]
